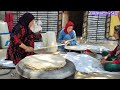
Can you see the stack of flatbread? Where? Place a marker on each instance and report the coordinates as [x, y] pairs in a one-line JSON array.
[[44, 62]]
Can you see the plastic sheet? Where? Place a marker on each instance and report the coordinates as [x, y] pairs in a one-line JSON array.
[[7, 63], [86, 63]]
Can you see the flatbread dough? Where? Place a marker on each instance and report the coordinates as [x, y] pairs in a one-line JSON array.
[[82, 47], [44, 62]]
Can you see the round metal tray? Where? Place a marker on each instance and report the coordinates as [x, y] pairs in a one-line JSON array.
[[83, 47], [65, 72]]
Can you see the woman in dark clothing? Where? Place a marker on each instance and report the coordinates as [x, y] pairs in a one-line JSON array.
[[22, 39], [111, 60]]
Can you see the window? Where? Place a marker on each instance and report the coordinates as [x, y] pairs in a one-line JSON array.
[[49, 19]]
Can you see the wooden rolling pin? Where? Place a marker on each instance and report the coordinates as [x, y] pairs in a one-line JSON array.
[[55, 45]]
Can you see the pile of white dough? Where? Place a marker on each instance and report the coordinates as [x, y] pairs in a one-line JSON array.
[[44, 62]]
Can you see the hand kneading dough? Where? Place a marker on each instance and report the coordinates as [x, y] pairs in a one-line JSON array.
[[44, 62]]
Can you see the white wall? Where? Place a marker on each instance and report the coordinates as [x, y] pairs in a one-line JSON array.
[[65, 18], [2, 13]]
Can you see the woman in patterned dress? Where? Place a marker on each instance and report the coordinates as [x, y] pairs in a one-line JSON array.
[[22, 39]]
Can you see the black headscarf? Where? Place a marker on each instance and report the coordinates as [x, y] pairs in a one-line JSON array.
[[26, 19], [117, 29]]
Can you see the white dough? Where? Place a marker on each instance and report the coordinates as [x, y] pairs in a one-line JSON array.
[[44, 62], [93, 48]]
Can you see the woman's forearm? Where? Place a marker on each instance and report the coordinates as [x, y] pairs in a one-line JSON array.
[[26, 48], [105, 62], [107, 56], [37, 36], [23, 46], [109, 61]]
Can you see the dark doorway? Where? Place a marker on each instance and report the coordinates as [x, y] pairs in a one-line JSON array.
[[77, 17]]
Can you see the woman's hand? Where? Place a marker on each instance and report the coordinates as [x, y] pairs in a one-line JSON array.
[[104, 58], [26, 48], [63, 41], [29, 49], [67, 42], [103, 61]]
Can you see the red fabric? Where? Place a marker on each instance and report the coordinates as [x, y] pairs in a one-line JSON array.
[[117, 61], [67, 25], [87, 50], [9, 19], [114, 51]]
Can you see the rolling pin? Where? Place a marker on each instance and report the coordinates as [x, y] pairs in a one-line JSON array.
[[55, 45]]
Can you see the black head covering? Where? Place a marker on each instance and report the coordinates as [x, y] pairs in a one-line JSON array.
[[26, 19]]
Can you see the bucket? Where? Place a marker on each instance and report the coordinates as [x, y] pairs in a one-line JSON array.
[[49, 39], [4, 40], [3, 27]]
